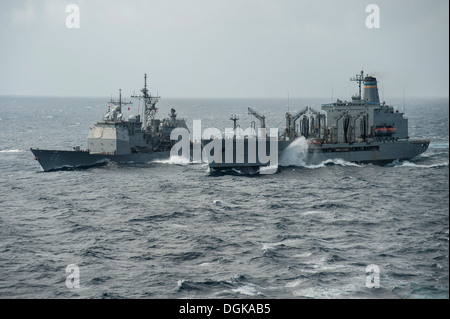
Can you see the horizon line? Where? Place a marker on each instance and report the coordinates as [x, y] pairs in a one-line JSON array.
[[216, 97]]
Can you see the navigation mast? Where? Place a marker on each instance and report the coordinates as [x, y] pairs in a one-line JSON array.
[[149, 104], [115, 114], [119, 102], [358, 78]]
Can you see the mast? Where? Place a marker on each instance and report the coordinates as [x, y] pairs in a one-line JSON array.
[[289, 104], [403, 100], [116, 112], [119, 102], [358, 78], [234, 118], [149, 105]]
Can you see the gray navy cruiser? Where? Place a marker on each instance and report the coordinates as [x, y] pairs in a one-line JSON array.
[[115, 139], [362, 130]]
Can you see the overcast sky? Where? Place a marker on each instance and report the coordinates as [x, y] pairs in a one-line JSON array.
[[223, 48]]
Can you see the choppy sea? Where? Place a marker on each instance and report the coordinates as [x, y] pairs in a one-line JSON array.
[[168, 229]]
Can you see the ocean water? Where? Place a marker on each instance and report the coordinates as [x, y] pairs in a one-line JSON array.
[[169, 229]]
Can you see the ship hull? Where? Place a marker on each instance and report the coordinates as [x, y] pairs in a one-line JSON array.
[[375, 152], [290, 153], [52, 160]]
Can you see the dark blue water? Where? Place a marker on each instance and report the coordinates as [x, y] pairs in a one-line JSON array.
[[171, 230]]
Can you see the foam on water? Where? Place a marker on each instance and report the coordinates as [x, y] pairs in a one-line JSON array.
[[249, 290], [294, 283], [295, 155], [439, 145], [11, 151], [410, 164], [176, 160]]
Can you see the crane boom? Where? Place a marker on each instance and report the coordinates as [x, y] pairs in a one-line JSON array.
[[297, 116], [261, 118]]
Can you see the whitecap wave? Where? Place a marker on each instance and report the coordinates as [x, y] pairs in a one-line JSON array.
[[409, 164], [11, 151], [334, 161], [294, 283], [177, 160], [271, 169], [314, 212], [249, 290], [439, 145]]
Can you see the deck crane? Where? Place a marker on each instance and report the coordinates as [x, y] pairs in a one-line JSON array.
[[290, 122], [318, 123], [262, 120]]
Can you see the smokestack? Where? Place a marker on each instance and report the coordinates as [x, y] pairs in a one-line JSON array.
[[370, 92]]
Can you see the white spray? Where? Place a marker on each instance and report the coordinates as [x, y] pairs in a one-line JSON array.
[[295, 154]]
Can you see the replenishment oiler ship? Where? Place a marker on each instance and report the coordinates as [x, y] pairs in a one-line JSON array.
[[115, 139], [362, 130]]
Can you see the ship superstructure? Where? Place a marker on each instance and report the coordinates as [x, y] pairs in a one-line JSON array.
[[139, 138], [362, 130]]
